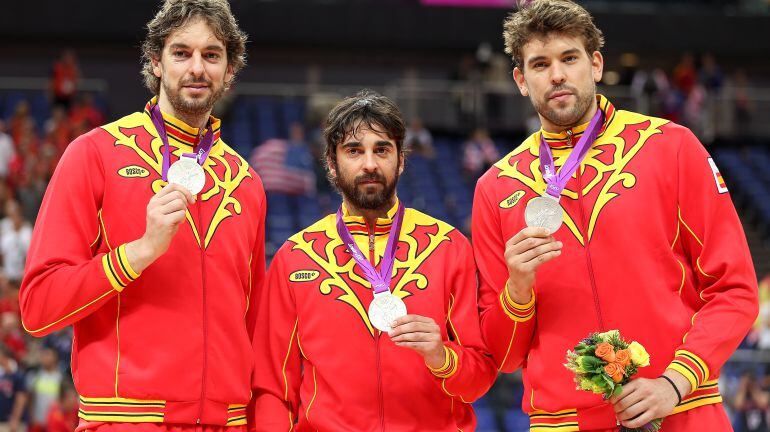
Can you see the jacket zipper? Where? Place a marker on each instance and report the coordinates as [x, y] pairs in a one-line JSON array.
[[205, 318], [380, 401], [589, 263], [380, 398], [371, 248]]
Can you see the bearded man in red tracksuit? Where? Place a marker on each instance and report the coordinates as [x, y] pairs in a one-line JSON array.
[[649, 243], [323, 362], [157, 274]]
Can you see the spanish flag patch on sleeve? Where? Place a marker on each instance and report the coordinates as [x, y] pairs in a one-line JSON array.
[[721, 186]]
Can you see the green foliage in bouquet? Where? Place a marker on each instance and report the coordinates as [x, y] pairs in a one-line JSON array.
[[604, 362]]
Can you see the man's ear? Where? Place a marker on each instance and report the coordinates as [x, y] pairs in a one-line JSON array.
[[332, 166], [597, 66], [229, 74], [157, 68], [521, 82]]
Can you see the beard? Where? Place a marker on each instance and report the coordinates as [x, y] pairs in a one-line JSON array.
[[360, 197], [192, 107], [568, 116]]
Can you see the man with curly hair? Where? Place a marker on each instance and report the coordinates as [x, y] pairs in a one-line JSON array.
[[606, 219], [370, 321], [150, 242]]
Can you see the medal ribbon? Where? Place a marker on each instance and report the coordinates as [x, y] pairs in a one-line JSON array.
[[380, 280], [204, 148], [557, 181]]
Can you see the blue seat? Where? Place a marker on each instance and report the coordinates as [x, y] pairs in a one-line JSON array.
[[292, 111], [485, 419], [264, 117], [516, 421], [11, 100], [279, 236], [40, 108]]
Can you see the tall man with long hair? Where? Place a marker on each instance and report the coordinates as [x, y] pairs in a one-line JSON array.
[[150, 242]]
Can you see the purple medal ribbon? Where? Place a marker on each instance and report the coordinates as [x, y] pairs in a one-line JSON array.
[[203, 150], [557, 181], [380, 280]]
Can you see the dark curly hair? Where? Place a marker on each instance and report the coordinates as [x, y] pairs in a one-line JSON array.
[[369, 110], [175, 14]]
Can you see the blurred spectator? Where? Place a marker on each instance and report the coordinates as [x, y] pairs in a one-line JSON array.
[[7, 302], [685, 75], [61, 342], [286, 166], [58, 130], [63, 416], [84, 115], [12, 335], [21, 123], [498, 84], [324, 189], [483, 56], [64, 79], [693, 113], [6, 194], [26, 150], [298, 155], [419, 140], [664, 100], [31, 188], [761, 333], [7, 151], [743, 105], [750, 403], [668, 101], [499, 72], [15, 235], [479, 153], [711, 75], [44, 386], [13, 395], [465, 96]]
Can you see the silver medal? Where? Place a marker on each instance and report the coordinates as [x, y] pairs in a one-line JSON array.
[[384, 309], [544, 212], [187, 173]]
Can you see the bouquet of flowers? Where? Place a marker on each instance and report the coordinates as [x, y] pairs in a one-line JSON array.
[[604, 362]]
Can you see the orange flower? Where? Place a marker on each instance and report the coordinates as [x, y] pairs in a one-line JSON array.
[[605, 352], [615, 371], [623, 358]]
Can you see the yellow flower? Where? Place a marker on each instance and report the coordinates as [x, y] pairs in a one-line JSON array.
[[639, 355], [605, 337]]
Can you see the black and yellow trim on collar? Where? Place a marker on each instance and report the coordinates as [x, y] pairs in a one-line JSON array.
[[357, 224], [180, 131]]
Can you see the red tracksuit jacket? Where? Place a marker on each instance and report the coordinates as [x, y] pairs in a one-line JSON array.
[[321, 364], [173, 344], [652, 247]]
